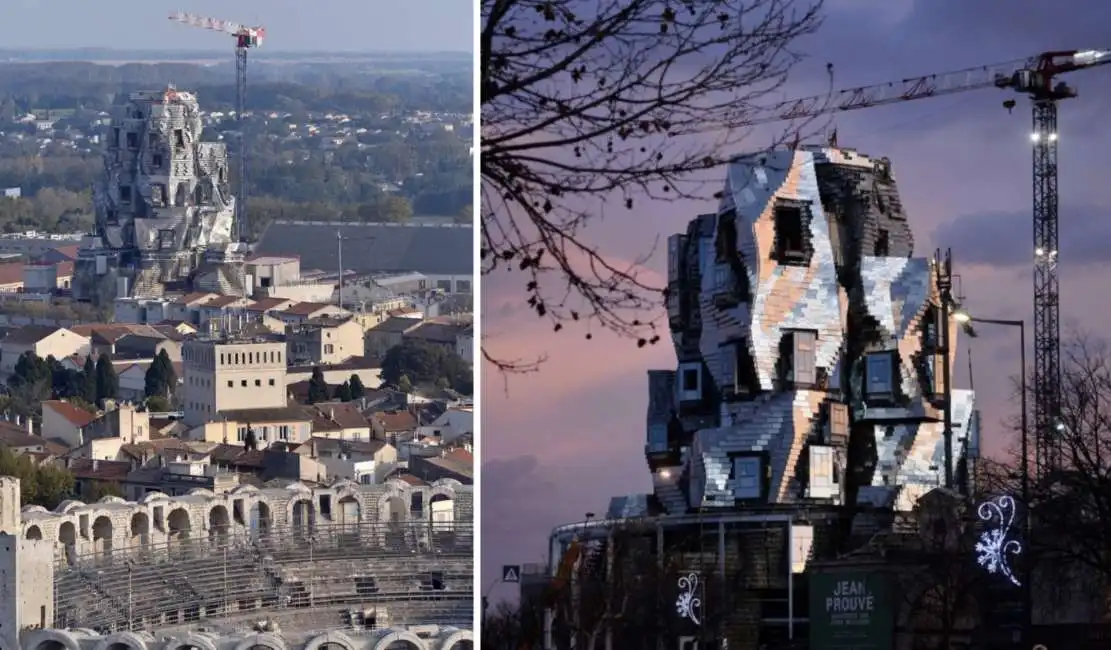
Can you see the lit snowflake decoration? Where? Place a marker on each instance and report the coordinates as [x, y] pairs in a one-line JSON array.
[[994, 547], [688, 604]]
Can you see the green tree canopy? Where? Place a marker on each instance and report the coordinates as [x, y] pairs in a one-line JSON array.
[[343, 392], [41, 485], [318, 387], [160, 379], [423, 362], [107, 382], [357, 388], [88, 381]]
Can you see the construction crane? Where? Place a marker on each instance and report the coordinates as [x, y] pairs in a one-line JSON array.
[[246, 38], [1037, 78]]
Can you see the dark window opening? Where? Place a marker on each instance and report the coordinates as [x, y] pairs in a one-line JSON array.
[[690, 379], [325, 505], [156, 161], [158, 195], [180, 194], [179, 138], [416, 502], [790, 242], [116, 137], [125, 194], [152, 140], [132, 140], [112, 218], [882, 246]]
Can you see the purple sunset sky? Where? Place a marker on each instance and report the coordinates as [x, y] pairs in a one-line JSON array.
[[560, 442]]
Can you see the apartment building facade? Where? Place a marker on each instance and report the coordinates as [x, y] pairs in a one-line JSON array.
[[228, 374]]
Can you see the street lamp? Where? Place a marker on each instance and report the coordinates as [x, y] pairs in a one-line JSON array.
[[966, 320]]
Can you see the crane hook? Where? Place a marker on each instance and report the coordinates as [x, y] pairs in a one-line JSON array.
[[1009, 104]]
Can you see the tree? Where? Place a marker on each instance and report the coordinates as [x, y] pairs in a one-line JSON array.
[[88, 381], [250, 441], [342, 392], [623, 100], [100, 489], [158, 404], [107, 382], [32, 380], [318, 387], [357, 388], [160, 379], [404, 384], [425, 362], [43, 485]]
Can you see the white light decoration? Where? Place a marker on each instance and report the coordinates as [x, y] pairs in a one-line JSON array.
[[688, 604], [995, 547]]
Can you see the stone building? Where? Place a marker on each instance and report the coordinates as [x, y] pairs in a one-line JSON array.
[[164, 208], [365, 558], [808, 379]]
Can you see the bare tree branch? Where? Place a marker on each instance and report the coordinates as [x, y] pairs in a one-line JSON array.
[[614, 102]]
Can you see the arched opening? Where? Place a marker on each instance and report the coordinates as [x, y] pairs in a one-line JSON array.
[[34, 532], [102, 535], [140, 529], [118, 646], [51, 645], [219, 525], [328, 645], [304, 517], [396, 510], [67, 535], [349, 514], [403, 644], [441, 512], [180, 195], [179, 526], [462, 644], [260, 519]]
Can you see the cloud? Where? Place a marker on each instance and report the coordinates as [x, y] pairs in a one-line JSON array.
[[1005, 239]]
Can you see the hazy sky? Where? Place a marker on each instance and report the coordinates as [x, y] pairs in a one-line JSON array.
[[566, 439], [336, 25]]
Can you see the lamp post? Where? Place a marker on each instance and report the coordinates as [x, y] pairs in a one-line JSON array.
[[1024, 462]]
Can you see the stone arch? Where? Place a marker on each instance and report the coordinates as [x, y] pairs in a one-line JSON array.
[[398, 636], [121, 641], [102, 535], [67, 535], [261, 641], [457, 639], [219, 524], [190, 641], [51, 639], [441, 509], [393, 508], [140, 529], [179, 525], [330, 641], [260, 519], [349, 512], [34, 532], [302, 516]]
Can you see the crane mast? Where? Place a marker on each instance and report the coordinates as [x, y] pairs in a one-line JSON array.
[[1036, 78], [246, 38]]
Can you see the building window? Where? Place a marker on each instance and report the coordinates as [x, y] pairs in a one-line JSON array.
[[231, 383], [746, 477], [790, 239], [328, 348], [241, 434], [156, 161], [243, 383], [283, 432], [271, 381], [882, 243], [258, 382], [125, 194], [821, 472], [179, 138], [797, 362], [132, 140], [880, 374]]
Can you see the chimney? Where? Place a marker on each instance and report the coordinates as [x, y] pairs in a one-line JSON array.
[[332, 413], [96, 464], [30, 425], [312, 447]]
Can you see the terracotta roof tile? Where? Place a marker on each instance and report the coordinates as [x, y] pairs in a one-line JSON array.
[[394, 421], [75, 415]]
